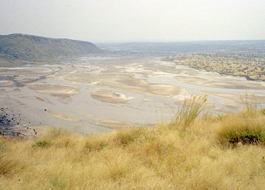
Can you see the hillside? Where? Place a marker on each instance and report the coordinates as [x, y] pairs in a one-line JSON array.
[[210, 152], [21, 48]]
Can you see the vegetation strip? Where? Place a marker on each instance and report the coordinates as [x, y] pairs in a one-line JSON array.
[[246, 65], [207, 152]]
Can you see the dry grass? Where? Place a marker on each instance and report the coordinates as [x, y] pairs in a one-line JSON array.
[[164, 157], [246, 128]]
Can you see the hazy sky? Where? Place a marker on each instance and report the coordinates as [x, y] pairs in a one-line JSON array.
[[135, 20]]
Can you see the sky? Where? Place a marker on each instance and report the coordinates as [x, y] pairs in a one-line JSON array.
[[135, 20]]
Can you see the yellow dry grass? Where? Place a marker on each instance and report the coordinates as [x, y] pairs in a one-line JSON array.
[[163, 157]]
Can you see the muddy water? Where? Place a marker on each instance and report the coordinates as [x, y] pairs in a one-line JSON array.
[[94, 116]]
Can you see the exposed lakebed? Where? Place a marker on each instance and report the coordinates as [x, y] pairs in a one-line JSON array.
[[97, 94]]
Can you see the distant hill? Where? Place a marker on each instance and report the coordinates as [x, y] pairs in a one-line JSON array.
[[21, 48]]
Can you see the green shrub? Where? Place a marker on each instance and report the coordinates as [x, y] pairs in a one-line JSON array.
[[242, 128], [42, 144], [247, 127], [246, 136]]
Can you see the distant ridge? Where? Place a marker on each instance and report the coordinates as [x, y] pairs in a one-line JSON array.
[[23, 48]]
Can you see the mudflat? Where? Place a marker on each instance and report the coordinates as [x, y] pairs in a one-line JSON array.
[[98, 94]]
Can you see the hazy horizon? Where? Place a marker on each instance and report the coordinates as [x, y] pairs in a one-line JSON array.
[[131, 42], [135, 21]]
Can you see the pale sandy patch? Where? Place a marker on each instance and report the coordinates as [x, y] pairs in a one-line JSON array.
[[233, 101], [235, 97], [17, 90], [109, 96], [56, 90], [123, 82], [109, 123], [64, 117], [163, 90], [41, 98], [6, 83], [147, 100], [217, 82], [257, 99], [228, 100], [181, 96]]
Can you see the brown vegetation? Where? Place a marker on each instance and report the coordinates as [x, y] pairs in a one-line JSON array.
[[250, 66]]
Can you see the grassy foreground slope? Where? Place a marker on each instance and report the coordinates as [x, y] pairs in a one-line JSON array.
[[21, 48], [210, 152]]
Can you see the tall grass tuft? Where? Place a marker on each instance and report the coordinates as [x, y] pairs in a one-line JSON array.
[[191, 109], [250, 103]]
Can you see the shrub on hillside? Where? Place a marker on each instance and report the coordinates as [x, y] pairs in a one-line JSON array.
[[242, 127], [246, 127]]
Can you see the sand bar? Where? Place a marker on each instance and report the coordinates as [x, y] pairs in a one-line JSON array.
[[63, 117], [55, 90], [109, 96]]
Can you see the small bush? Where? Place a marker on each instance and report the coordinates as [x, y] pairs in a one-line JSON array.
[[245, 136], [95, 145], [247, 127], [42, 144], [239, 128], [128, 136], [191, 109]]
